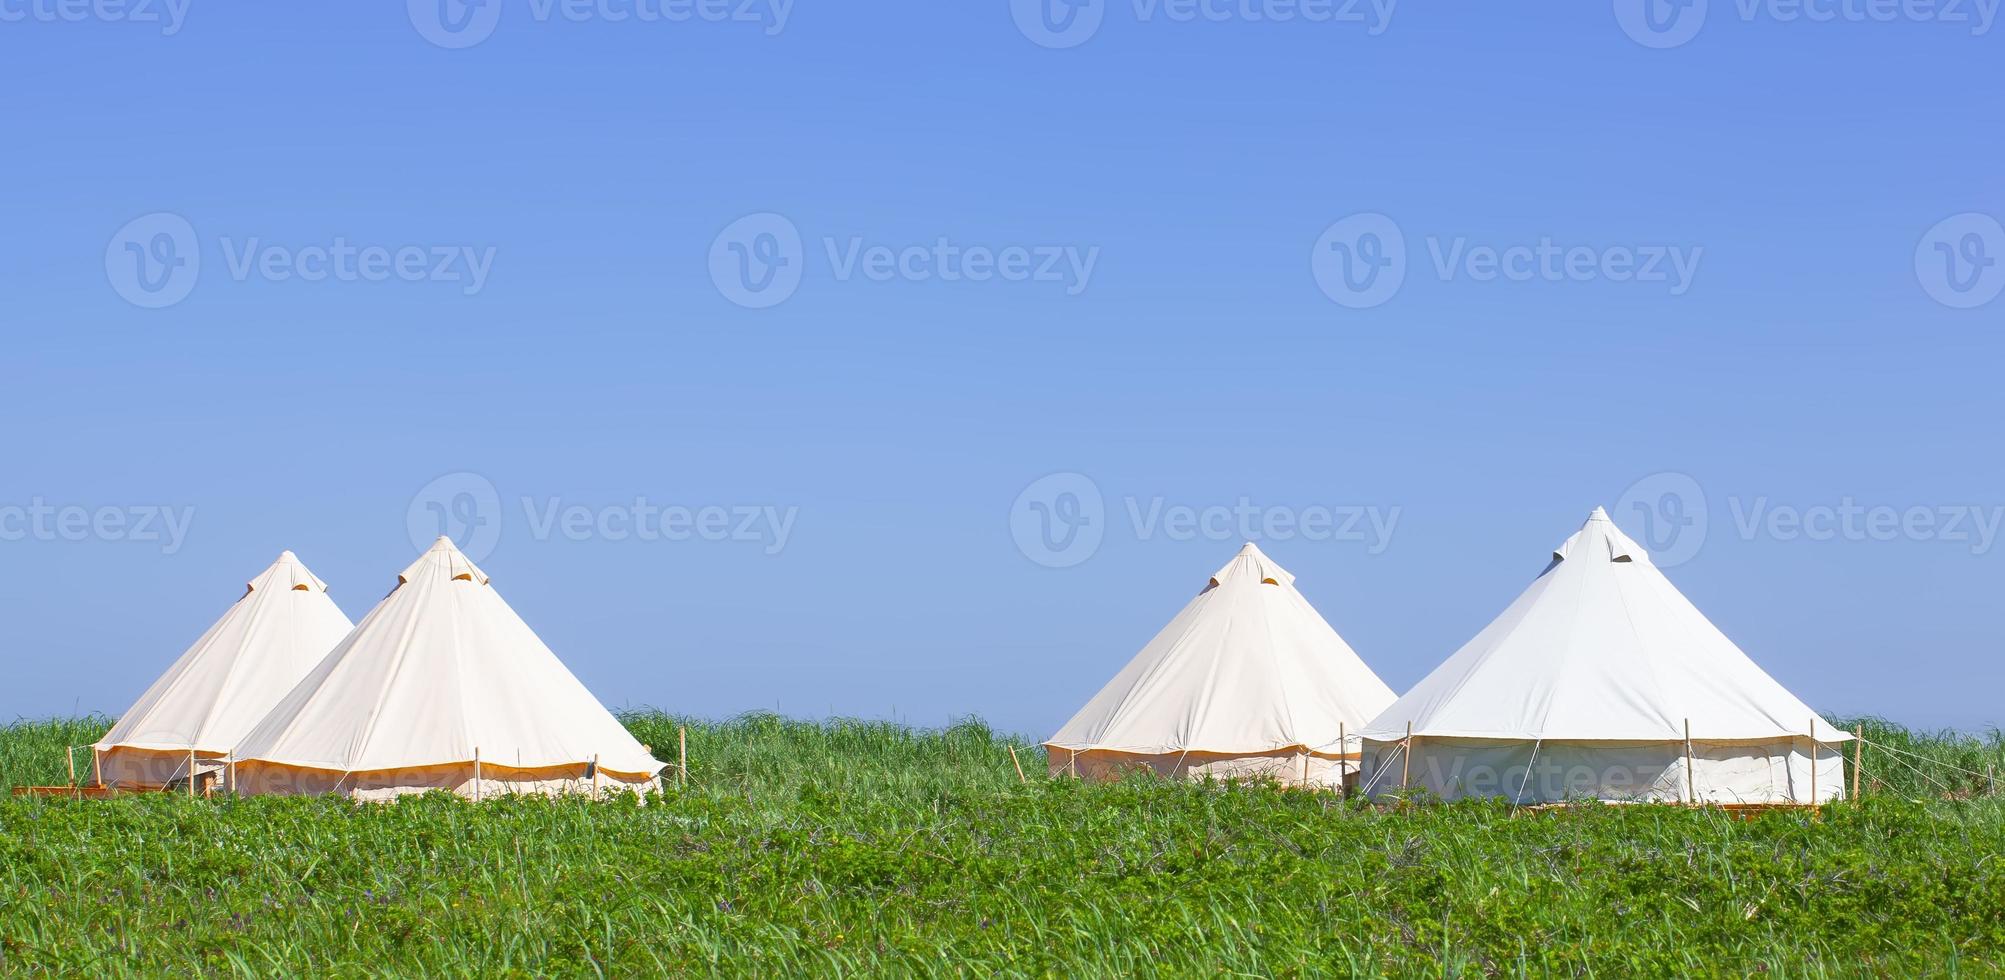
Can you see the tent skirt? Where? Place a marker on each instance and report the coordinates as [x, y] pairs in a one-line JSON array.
[[1524, 771], [259, 778], [1289, 767]]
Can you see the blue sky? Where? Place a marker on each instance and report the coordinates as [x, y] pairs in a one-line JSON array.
[[303, 278]]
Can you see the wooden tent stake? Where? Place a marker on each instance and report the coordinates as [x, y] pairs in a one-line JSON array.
[[1858, 744], [1405, 756], [681, 756], [1813, 761], [97, 771], [1691, 787], [191, 773], [70, 756], [1019, 766], [1343, 752], [476, 774], [595, 775]]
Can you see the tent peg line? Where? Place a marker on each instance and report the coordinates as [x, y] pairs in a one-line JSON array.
[[1519, 799]]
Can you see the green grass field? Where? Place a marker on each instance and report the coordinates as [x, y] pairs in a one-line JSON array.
[[854, 847]]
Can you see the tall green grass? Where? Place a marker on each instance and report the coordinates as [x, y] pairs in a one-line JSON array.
[[863, 847]]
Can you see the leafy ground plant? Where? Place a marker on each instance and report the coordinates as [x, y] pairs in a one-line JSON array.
[[862, 847]]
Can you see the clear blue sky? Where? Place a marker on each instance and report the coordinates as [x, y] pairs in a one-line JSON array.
[[607, 352]]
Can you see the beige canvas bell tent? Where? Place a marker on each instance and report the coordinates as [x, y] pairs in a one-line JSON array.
[[441, 687], [1246, 682], [190, 717], [1602, 681]]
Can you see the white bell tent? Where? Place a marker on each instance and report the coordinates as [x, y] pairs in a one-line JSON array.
[[441, 687], [281, 626], [1247, 682], [1601, 681]]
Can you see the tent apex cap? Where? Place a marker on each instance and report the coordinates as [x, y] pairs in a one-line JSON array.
[[1600, 514]]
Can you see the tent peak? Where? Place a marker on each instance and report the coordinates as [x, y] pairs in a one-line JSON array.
[[1599, 536], [1253, 563], [443, 557], [286, 572]]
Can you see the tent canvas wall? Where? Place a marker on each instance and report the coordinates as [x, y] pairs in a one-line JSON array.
[[1584, 687], [441, 687], [281, 626], [1247, 681]]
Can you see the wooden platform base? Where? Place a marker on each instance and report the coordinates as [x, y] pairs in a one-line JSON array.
[[98, 792], [79, 792], [1738, 811]]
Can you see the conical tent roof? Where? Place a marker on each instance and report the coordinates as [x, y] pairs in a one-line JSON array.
[[281, 626], [1601, 647], [440, 668], [1248, 666]]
